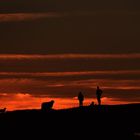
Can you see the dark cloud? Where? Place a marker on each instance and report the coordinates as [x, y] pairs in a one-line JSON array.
[[123, 89], [81, 43], [69, 5], [89, 27], [93, 33], [55, 64]]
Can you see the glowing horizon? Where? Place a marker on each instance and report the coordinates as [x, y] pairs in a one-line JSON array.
[[21, 101]]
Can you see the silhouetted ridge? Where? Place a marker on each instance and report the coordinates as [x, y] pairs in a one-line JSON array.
[[109, 122]]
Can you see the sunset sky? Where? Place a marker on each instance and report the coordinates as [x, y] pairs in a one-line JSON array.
[[52, 49]]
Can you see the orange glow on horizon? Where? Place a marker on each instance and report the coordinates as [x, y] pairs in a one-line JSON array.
[[26, 101]]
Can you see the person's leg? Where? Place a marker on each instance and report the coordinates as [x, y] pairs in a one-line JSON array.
[[99, 101], [81, 103]]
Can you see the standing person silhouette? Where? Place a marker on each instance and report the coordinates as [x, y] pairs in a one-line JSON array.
[[81, 99], [98, 95]]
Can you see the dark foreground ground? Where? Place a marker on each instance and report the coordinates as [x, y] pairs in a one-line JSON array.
[[89, 123]]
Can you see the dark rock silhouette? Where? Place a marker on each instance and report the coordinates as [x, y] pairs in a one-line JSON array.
[[3, 110], [98, 95], [47, 105], [80, 98]]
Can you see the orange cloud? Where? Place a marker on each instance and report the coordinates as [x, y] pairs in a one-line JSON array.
[[12, 17], [70, 56], [126, 90], [76, 73]]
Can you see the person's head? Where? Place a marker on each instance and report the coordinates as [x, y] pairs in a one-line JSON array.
[[97, 87], [52, 101]]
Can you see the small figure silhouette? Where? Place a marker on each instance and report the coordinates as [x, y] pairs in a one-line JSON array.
[[98, 95], [81, 99], [92, 104], [3, 110], [46, 106]]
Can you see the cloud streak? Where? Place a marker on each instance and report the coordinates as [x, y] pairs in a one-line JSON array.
[[13, 17], [60, 88], [70, 56], [65, 74]]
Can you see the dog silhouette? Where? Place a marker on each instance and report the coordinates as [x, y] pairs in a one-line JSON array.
[[3, 110], [47, 105]]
